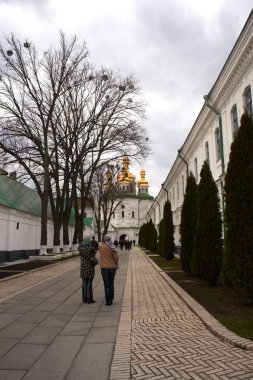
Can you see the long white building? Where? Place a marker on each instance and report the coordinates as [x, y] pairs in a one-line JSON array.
[[212, 133]]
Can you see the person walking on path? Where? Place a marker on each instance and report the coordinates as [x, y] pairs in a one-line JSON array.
[[87, 269], [109, 263]]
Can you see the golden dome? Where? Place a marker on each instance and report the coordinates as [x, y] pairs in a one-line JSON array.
[[125, 175], [142, 181]]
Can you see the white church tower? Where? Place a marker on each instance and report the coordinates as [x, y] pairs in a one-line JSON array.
[[143, 183], [132, 210]]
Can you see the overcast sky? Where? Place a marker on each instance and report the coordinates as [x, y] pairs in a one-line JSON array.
[[175, 48]]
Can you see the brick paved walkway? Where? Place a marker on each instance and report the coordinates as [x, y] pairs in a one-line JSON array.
[[162, 333], [10, 287], [160, 337]]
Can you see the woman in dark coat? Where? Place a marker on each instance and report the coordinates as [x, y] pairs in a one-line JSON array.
[[87, 269]]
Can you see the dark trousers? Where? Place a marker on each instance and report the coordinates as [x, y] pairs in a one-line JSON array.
[[87, 292], [108, 275]]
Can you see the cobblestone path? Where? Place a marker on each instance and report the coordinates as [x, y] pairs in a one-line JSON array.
[[168, 341]]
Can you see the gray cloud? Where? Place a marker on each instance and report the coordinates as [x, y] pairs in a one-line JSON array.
[[174, 50]]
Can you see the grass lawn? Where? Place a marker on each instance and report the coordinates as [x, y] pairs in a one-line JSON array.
[[224, 303]]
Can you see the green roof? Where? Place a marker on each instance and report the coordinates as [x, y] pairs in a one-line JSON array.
[[88, 221], [140, 196], [145, 196], [15, 195], [18, 196]]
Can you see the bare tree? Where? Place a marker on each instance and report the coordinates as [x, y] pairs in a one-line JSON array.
[[61, 121], [105, 196], [30, 88], [104, 127]]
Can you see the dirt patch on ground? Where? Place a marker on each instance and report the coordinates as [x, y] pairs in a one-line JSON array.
[[13, 269]]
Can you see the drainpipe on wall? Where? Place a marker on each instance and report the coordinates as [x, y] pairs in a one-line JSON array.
[[166, 191], [183, 159], [218, 113], [159, 209]]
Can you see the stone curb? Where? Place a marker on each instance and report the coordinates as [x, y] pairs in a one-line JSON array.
[[212, 324], [121, 362]]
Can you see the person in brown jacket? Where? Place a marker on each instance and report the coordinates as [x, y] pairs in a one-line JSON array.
[[109, 263]]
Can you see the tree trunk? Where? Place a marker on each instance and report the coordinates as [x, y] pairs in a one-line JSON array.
[[65, 225], [57, 229], [80, 228]]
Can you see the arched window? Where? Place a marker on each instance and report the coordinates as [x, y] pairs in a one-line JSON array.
[[122, 214], [218, 144], [207, 152], [248, 100], [132, 214], [196, 169], [234, 119]]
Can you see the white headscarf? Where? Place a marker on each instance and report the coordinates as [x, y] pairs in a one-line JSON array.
[[108, 241]]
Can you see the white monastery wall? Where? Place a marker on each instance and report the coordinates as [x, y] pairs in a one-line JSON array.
[[21, 232], [227, 92]]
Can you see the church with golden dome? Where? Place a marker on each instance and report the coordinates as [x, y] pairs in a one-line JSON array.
[[135, 201]]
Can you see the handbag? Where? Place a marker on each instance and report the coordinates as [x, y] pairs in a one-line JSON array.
[[94, 261]]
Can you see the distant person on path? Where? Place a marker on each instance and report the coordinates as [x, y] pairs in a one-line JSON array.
[[134, 242], [94, 243], [121, 244], [116, 243], [109, 263], [87, 269]]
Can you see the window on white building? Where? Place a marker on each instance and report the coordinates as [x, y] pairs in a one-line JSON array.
[[218, 144], [182, 184], [234, 119], [207, 152], [196, 169], [248, 100], [122, 214], [132, 214]]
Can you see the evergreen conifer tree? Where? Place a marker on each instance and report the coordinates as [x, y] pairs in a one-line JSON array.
[[160, 237], [168, 245], [141, 235], [238, 258], [148, 234], [188, 224], [207, 256], [153, 238]]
